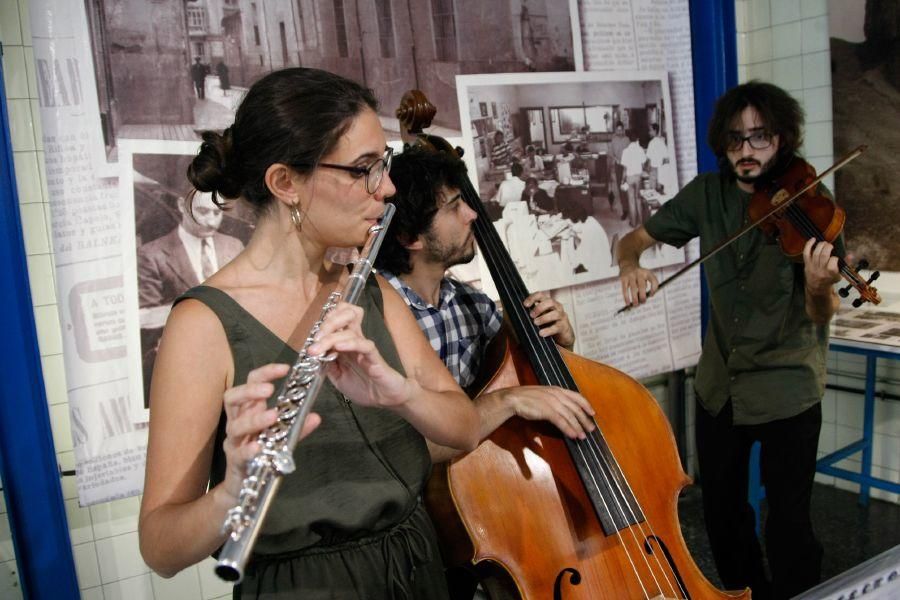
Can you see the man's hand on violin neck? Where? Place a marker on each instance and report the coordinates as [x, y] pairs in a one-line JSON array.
[[820, 267]]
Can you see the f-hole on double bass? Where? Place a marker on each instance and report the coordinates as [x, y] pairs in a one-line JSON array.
[[548, 516]]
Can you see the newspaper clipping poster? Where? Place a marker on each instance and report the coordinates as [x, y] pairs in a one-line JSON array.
[[162, 72]]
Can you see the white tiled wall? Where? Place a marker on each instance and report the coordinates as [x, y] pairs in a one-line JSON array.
[[786, 43], [104, 537]]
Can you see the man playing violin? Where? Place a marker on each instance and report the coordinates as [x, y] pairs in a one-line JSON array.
[[761, 374]]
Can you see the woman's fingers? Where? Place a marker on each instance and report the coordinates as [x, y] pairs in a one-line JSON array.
[[251, 423], [258, 388]]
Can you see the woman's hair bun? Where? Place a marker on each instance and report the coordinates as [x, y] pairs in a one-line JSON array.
[[210, 171]]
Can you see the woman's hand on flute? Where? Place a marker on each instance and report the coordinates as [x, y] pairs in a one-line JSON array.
[[247, 416], [359, 371]]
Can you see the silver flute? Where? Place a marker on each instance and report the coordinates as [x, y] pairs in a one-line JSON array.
[[294, 401]]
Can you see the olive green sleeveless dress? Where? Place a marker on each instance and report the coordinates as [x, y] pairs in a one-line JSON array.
[[349, 522]]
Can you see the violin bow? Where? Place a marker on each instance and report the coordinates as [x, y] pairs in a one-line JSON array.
[[779, 206]]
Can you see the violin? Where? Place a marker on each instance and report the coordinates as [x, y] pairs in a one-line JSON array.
[[544, 516], [792, 209], [811, 214]]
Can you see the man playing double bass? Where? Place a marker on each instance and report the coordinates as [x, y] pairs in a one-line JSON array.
[[761, 374], [431, 232]]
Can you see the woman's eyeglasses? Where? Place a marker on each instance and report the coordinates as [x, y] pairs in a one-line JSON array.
[[374, 172]]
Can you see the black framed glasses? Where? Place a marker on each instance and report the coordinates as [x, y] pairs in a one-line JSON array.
[[758, 140], [374, 172]]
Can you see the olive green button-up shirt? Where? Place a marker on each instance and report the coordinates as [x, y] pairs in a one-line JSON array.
[[761, 348]]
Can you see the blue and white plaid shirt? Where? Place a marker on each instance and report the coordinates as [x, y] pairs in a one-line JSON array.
[[459, 329]]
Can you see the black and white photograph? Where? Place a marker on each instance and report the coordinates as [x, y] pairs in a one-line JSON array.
[[178, 243], [569, 165], [169, 69]]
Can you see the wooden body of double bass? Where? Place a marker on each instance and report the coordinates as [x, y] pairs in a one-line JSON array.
[[522, 507], [521, 500]]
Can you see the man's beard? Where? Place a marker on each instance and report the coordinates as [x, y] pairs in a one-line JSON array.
[[448, 255], [764, 169]]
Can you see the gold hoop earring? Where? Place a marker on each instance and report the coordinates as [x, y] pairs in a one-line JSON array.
[[296, 216]]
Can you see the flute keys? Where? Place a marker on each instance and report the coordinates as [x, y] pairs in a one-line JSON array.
[[284, 462]]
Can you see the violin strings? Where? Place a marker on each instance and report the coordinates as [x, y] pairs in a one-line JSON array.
[[802, 222], [556, 374]]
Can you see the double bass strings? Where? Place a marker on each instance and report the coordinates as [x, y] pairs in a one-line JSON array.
[[553, 371]]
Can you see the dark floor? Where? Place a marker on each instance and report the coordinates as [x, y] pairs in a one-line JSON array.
[[849, 532]]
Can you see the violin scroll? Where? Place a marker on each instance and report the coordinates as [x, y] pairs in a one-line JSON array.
[[867, 293]]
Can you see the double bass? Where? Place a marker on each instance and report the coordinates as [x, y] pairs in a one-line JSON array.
[[545, 515]]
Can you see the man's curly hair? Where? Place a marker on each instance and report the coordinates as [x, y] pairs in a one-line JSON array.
[[781, 114], [418, 174]]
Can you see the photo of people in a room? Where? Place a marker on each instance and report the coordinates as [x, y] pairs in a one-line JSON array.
[[566, 167]]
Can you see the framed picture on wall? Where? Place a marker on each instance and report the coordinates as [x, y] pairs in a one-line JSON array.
[[551, 110], [483, 107]]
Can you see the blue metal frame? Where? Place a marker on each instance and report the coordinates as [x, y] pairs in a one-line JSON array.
[[864, 478], [714, 55], [825, 465], [34, 501]]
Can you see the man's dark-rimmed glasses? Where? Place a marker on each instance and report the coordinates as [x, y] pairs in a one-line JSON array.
[[758, 140]]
